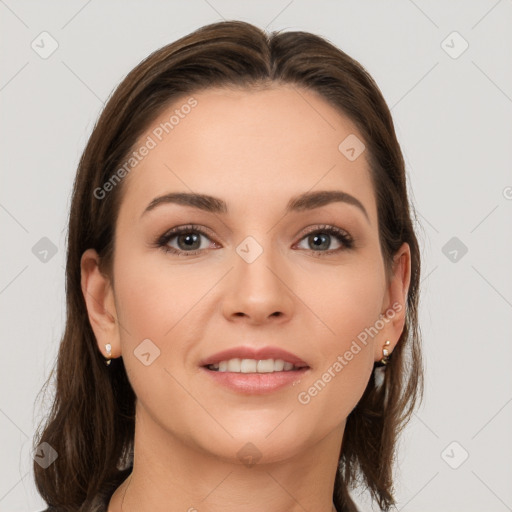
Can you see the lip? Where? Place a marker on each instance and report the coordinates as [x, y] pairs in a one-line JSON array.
[[245, 352], [256, 383]]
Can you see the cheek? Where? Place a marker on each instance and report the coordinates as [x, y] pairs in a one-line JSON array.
[[153, 297], [159, 302], [347, 298], [153, 301], [347, 304]]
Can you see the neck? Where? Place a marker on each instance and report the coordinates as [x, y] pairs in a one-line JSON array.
[[172, 475]]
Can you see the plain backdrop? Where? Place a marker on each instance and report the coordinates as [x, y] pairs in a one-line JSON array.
[[445, 71]]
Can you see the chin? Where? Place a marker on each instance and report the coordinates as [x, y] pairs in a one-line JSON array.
[[265, 442]]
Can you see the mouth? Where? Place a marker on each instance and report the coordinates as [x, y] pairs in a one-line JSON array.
[[238, 365], [250, 371], [255, 383], [247, 359]]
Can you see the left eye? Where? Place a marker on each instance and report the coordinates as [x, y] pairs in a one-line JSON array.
[[321, 239]]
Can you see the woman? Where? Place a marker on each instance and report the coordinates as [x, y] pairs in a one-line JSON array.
[[241, 265]]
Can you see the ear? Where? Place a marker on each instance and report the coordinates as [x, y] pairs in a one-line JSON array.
[[394, 306], [99, 299]]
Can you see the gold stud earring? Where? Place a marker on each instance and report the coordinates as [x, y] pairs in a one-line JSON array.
[[385, 353], [380, 367], [108, 348]]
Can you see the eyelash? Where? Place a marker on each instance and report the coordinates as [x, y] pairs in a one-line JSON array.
[[342, 236]]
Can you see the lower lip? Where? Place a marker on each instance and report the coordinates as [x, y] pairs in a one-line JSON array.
[[256, 383]]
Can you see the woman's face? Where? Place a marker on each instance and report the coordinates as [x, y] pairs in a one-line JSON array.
[[260, 269]]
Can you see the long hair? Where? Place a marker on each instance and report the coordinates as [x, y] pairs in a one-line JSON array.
[[91, 422]]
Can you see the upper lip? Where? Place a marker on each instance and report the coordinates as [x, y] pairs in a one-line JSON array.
[[254, 353]]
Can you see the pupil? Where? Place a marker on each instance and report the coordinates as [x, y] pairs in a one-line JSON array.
[[320, 241], [189, 240]]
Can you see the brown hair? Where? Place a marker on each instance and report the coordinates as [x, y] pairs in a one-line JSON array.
[[91, 422]]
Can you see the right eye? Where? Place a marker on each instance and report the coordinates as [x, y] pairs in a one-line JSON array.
[[188, 240]]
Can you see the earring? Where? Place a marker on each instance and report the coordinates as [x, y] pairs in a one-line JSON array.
[[108, 348], [381, 366], [385, 353]]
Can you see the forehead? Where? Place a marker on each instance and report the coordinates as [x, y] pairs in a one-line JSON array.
[[248, 147]]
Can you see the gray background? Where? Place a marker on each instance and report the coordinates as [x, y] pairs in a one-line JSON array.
[[452, 116]]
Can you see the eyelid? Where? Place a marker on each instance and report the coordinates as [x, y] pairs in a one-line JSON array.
[[186, 228], [321, 227]]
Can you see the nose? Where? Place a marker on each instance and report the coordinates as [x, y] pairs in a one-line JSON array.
[[259, 291]]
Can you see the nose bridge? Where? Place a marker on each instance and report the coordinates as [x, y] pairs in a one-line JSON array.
[[257, 286]]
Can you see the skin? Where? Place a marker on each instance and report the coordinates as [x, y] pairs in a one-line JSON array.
[[255, 150]]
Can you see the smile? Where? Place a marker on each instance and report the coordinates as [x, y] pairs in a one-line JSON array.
[[238, 365]]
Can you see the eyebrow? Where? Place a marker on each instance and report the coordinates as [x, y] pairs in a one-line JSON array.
[[306, 201]]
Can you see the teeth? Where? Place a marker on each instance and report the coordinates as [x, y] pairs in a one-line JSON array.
[[250, 366], [265, 366], [234, 365], [253, 366], [279, 365]]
